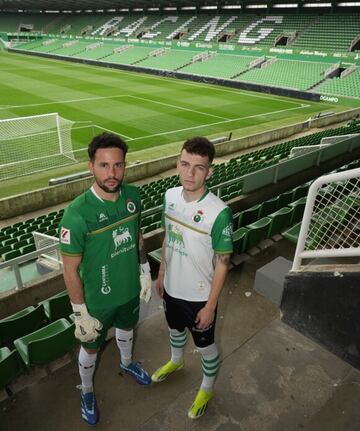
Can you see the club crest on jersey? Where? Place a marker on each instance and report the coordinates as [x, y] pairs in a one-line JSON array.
[[131, 207], [65, 236], [198, 217]]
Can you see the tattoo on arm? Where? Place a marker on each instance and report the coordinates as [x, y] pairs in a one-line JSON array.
[[142, 251], [223, 258]]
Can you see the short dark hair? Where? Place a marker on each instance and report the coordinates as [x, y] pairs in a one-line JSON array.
[[201, 146], [106, 140]]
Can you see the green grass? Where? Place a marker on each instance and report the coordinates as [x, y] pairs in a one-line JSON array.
[[155, 115]]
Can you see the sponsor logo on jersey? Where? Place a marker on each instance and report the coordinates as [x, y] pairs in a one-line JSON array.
[[65, 236], [131, 207], [175, 235], [121, 236], [102, 217], [123, 241], [105, 286], [228, 230], [198, 217], [175, 239]]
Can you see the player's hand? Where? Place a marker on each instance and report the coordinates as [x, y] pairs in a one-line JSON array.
[[86, 327], [205, 318], [145, 282]]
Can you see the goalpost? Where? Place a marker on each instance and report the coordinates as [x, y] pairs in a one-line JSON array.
[[35, 143]]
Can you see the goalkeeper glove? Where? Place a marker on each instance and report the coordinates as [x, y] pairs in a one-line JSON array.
[[145, 282], [86, 326]]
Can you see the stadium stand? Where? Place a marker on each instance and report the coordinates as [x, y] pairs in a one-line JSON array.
[[287, 73], [347, 86]]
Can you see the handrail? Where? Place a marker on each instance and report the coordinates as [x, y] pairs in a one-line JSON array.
[[14, 263]]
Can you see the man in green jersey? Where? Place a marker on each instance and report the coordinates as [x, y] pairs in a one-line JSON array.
[[105, 265], [195, 257]]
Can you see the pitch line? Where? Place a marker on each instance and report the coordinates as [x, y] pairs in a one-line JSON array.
[[85, 99], [111, 97], [218, 122], [177, 107]]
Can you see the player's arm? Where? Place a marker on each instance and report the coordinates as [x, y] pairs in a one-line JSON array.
[[145, 274], [86, 326], [72, 279], [161, 273], [206, 315]]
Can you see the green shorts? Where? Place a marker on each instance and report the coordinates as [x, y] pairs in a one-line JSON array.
[[123, 317]]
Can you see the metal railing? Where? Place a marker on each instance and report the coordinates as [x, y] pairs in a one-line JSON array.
[[331, 223], [14, 264]]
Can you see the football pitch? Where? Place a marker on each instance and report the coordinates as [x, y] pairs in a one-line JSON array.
[[147, 111]]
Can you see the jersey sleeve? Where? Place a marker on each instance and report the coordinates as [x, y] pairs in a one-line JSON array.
[[221, 233], [72, 234]]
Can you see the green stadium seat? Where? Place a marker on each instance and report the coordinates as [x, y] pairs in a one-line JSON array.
[[21, 323], [268, 207], [29, 248], [249, 215], [292, 234], [57, 306], [300, 191], [11, 255], [280, 220], [258, 231], [285, 198], [156, 255], [298, 209], [47, 344], [10, 366], [239, 240]]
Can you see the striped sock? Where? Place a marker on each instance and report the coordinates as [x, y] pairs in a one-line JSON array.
[[210, 363], [177, 344]]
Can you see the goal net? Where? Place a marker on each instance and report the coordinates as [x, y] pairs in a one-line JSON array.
[[33, 144]]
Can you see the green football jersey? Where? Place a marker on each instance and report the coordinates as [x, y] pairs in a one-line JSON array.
[[106, 235]]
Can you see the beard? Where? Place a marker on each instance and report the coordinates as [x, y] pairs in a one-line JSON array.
[[107, 189]]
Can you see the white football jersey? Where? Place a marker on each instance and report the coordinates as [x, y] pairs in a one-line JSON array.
[[194, 232]]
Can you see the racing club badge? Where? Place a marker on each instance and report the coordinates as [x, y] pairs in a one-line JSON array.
[[131, 207], [198, 217]]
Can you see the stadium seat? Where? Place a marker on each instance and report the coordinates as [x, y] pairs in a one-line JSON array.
[[21, 323], [268, 207], [280, 220], [57, 306], [249, 216], [156, 255], [239, 240], [285, 198], [11, 255], [46, 344], [258, 231], [298, 209], [292, 234], [10, 366]]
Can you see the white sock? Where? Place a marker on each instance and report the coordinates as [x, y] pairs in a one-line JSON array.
[[177, 345], [210, 363], [87, 364], [124, 340]]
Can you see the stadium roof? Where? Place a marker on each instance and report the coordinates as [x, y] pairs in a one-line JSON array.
[[116, 5]]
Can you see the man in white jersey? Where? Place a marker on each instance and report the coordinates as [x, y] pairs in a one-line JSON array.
[[195, 258]]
